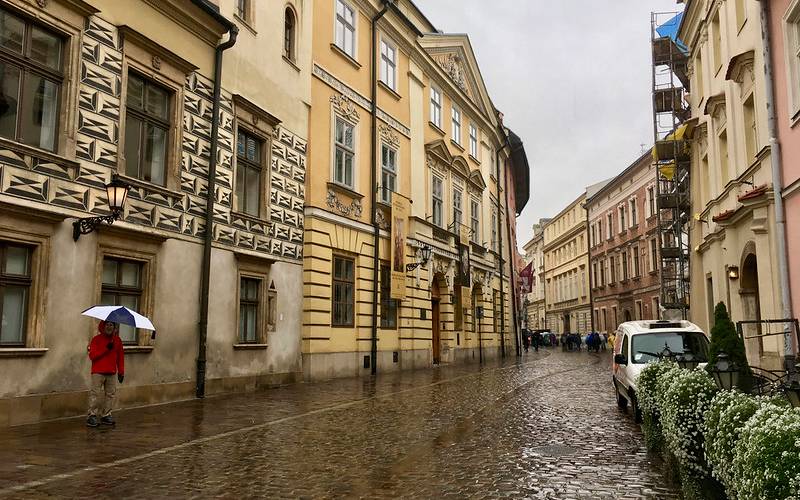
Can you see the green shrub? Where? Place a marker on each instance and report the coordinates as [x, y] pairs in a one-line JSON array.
[[683, 409], [766, 459], [724, 338], [724, 421]]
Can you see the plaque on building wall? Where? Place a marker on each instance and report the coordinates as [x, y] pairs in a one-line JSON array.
[[400, 213]]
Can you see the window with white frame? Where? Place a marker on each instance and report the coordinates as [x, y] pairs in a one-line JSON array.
[[791, 31], [622, 225], [344, 156], [473, 140], [437, 200], [475, 220], [346, 28], [458, 210], [651, 201], [456, 129], [633, 212], [635, 255], [388, 172], [436, 107], [609, 225], [388, 64], [653, 255]]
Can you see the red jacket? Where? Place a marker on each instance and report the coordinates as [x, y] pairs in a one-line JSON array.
[[105, 360]]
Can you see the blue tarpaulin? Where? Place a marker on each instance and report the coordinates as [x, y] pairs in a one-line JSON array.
[[670, 29]]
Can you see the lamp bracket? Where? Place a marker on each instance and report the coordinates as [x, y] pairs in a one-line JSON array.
[[86, 225]]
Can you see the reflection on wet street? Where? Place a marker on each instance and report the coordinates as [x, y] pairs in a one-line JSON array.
[[546, 427]]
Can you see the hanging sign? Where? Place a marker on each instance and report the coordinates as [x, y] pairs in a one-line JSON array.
[[400, 212]]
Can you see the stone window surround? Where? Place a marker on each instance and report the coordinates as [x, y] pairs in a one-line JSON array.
[[117, 243], [36, 234], [66, 20], [168, 70], [352, 118], [259, 269], [263, 125]]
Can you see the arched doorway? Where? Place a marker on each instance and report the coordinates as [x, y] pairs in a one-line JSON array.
[[751, 305], [435, 322]]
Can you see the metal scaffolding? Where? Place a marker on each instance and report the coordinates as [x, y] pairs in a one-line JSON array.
[[672, 161]]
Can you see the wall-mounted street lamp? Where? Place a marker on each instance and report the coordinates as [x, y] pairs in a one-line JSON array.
[[424, 254], [117, 193], [733, 272]]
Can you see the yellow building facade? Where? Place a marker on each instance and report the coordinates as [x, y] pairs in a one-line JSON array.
[[566, 257], [433, 140]]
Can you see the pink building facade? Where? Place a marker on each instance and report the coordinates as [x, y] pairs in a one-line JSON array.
[[784, 28]]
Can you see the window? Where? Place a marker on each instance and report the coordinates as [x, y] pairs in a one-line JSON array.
[[249, 302], [436, 107], [634, 215], [388, 65], [388, 173], [494, 230], [388, 304], [248, 173], [698, 71], [716, 42], [639, 312], [456, 130], [343, 291], [242, 9], [437, 201], [15, 286], [635, 253], [723, 159], [622, 225], [146, 130], [289, 27], [613, 276], [624, 273], [599, 231], [458, 215], [750, 131], [31, 73], [345, 152], [122, 286], [475, 221], [473, 140], [603, 266], [653, 255], [651, 201], [609, 225], [345, 28]]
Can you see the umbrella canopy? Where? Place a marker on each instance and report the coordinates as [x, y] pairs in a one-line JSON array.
[[119, 314]]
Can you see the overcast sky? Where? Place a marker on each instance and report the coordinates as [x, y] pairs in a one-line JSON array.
[[572, 78]]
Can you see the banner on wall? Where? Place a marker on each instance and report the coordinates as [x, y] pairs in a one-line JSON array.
[[463, 271], [400, 212]]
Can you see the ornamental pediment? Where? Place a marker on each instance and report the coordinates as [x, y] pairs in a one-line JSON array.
[[740, 69]]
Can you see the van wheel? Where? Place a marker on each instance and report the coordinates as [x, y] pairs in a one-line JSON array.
[[637, 413], [621, 401]]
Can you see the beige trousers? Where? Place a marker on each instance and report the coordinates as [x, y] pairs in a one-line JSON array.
[[102, 394]]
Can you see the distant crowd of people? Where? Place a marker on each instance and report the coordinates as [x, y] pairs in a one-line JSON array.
[[594, 341]]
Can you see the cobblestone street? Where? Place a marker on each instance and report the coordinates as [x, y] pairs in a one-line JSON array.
[[547, 427]]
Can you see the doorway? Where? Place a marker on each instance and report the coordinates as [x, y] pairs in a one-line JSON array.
[[751, 304], [435, 323], [566, 324]]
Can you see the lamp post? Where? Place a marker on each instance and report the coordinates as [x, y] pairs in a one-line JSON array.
[[425, 256], [687, 361], [117, 194], [725, 372]]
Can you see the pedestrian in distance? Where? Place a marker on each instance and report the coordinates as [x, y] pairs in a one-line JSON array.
[[525, 339], [108, 368], [537, 339]]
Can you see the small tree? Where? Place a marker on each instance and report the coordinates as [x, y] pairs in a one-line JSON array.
[[724, 338]]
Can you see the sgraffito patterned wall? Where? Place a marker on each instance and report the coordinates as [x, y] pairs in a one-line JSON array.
[[80, 185]]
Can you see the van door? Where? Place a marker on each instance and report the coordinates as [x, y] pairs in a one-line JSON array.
[[622, 375]]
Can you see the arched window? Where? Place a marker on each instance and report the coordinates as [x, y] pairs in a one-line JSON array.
[[289, 34]]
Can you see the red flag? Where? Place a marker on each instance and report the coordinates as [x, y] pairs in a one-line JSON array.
[[525, 278]]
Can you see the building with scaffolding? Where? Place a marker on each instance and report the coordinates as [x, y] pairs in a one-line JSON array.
[[712, 152]]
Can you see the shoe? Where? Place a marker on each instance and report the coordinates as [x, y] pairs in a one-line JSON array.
[[109, 420], [91, 421]]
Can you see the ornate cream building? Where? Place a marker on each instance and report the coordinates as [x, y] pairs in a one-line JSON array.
[[535, 317], [408, 118], [566, 261], [734, 258], [98, 88]]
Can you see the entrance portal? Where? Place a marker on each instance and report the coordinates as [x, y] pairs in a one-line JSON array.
[[435, 334], [751, 305]]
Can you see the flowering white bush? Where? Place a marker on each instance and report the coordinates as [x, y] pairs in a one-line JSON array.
[[766, 458], [647, 385], [683, 408], [724, 421]]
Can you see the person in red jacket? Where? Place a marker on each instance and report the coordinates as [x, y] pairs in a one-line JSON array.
[[108, 364]]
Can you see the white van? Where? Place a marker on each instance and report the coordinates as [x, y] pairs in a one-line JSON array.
[[640, 342]]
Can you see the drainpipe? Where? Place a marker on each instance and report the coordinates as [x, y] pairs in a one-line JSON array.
[[200, 389], [789, 347], [589, 268], [500, 252], [376, 229]]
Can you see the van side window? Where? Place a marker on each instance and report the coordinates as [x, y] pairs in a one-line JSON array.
[[625, 346]]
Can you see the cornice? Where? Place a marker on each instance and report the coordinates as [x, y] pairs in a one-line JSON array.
[[191, 18]]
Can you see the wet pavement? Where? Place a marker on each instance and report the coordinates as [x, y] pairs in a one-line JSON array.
[[545, 427]]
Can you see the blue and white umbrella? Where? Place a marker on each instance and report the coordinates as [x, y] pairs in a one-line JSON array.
[[119, 314]]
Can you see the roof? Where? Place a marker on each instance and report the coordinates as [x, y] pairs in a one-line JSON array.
[[521, 171]]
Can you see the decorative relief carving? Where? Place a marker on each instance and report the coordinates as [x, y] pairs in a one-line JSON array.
[[156, 63], [435, 165], [389, 136], [345, 107], [380, 219], [41, 3], [353, 209], [452, 65]]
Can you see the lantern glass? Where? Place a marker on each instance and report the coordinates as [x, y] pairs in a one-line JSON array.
[[117, 192], [725, 372], [426, 253]]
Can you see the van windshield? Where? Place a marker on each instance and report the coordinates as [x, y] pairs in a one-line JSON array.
[[647, 346]]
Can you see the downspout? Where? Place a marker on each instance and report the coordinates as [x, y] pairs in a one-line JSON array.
[[200, 389], [589, 268], [376, 230], [789, 347], [500, 252]]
